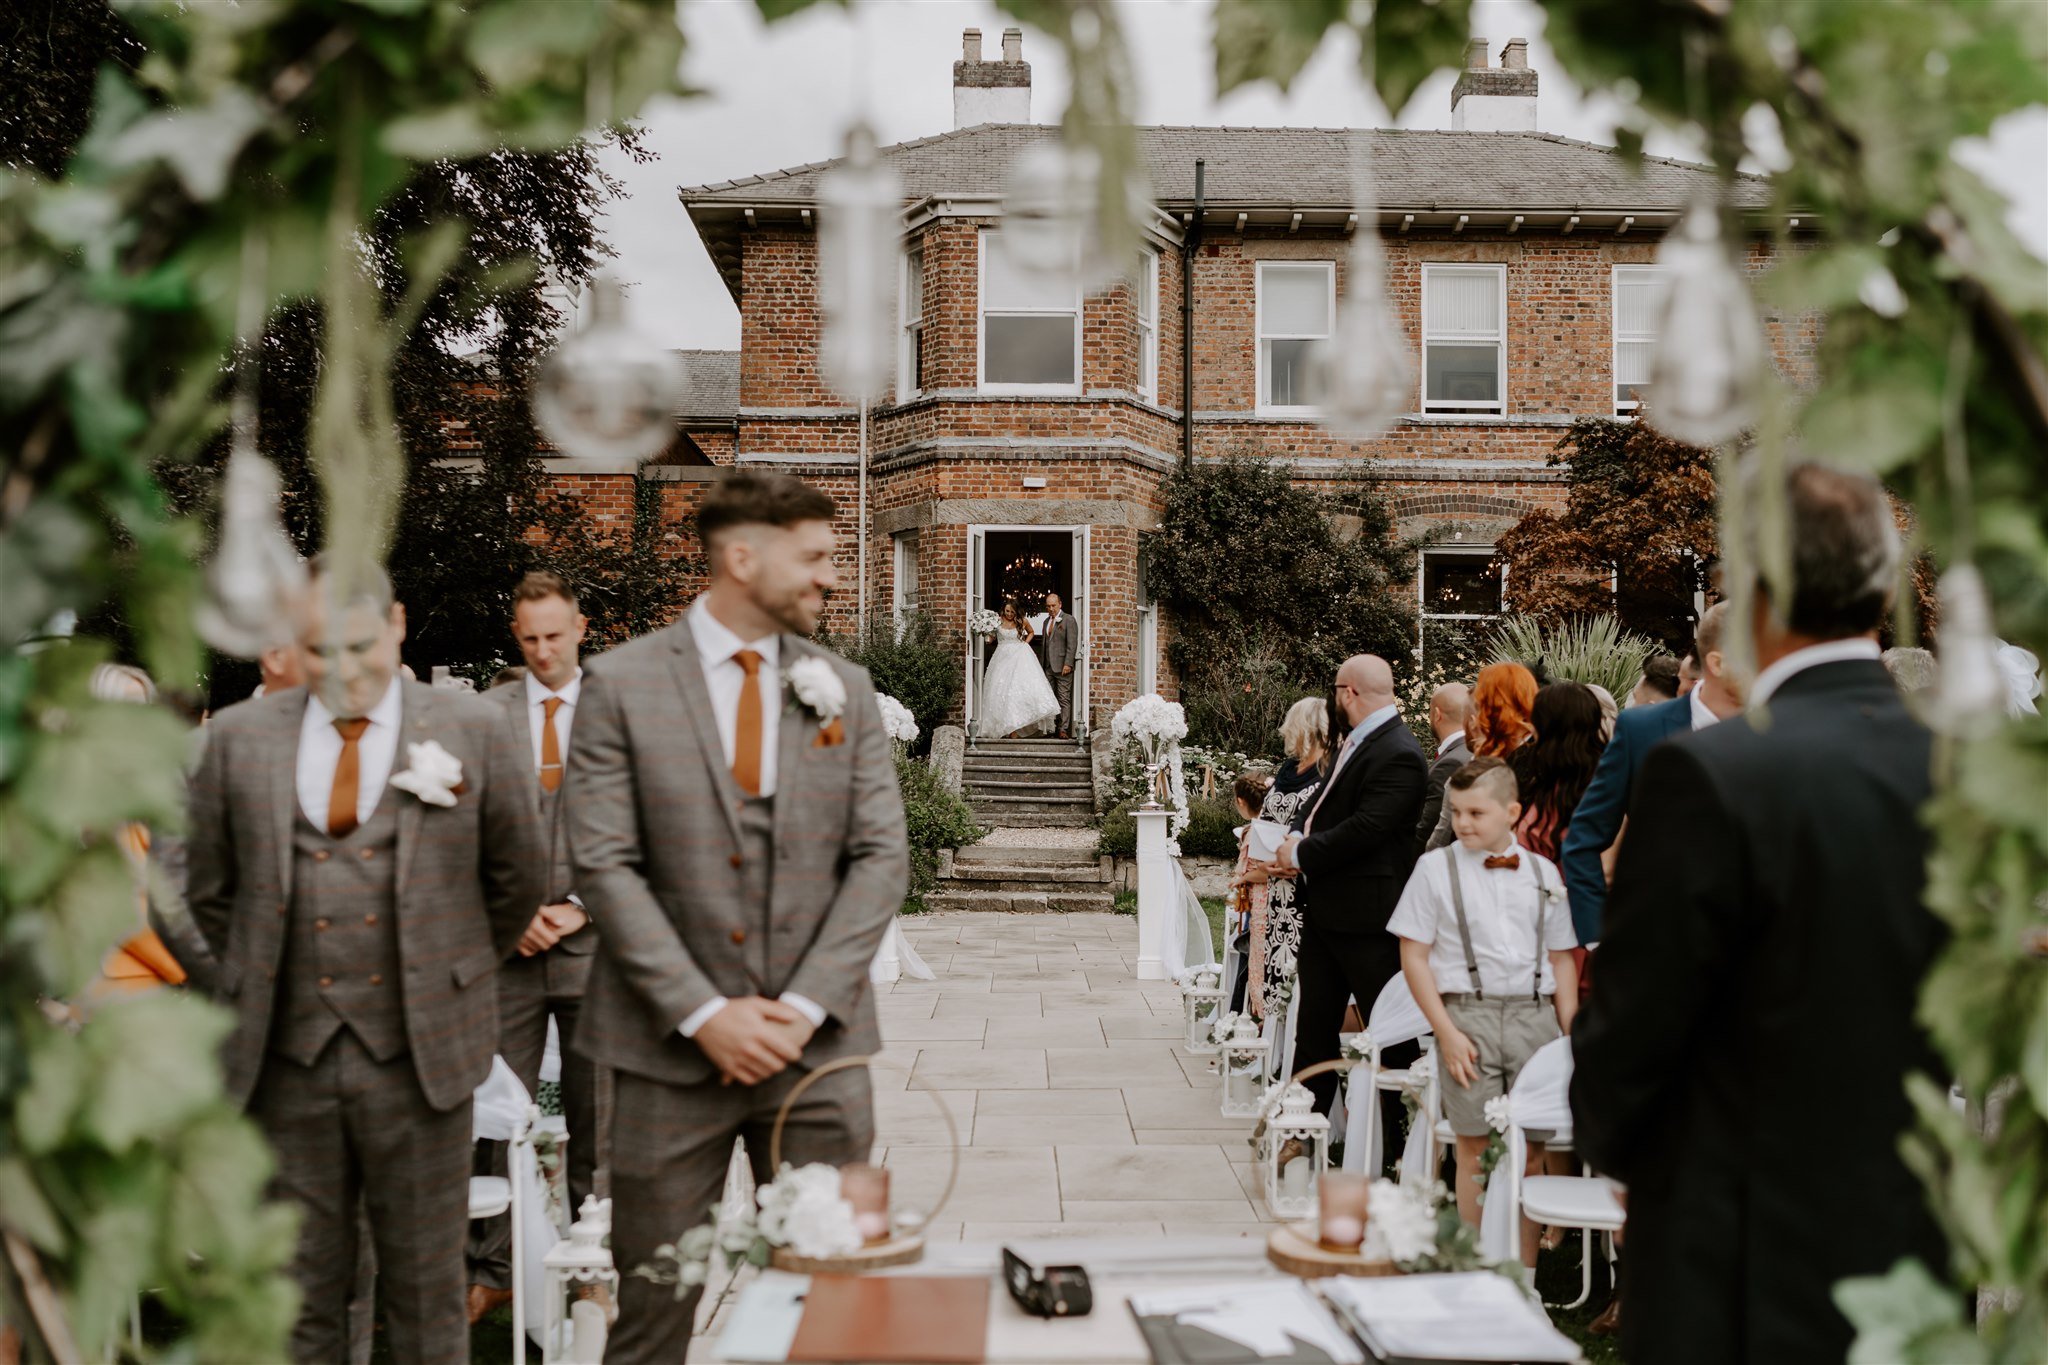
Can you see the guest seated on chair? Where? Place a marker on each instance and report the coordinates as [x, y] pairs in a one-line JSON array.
[[1486, 946]]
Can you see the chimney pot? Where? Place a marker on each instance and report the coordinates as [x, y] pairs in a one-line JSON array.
[[1013, 44], [1515, 56], [970, 45], [1498, 99], [987, 90], [1475, 55]]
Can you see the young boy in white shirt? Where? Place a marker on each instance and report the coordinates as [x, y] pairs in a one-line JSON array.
[[1486, 942]]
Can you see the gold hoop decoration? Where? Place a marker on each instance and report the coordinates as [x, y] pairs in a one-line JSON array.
[[900, 1248]]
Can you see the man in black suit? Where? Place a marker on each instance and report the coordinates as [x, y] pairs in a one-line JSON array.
[[1741, 1063], [1447, 708], [1354, 851]]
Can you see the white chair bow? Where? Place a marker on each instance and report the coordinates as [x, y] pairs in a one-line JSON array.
[[1395, 1019], [504, 1112]]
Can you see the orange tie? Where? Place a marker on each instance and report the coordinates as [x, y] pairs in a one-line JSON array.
[[746, 738], [341, 801], [550, 747]]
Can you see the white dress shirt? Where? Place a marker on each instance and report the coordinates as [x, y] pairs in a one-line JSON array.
[[724, 677], [537, 695], [1501, 908], [1813, 656], [320, 751], [1702, 714]]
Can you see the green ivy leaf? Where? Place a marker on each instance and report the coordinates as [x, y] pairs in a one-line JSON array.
[[452, 131], [58, 1078], [28, 1213], [514, 41], [154, 1053], [1894, 1311], [1411, 41], [1259, 40]]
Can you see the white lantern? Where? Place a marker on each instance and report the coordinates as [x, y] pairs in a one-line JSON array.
[[1296, 1155], [1708, 371], [567, 1336], [1244, 1068], [1201, 999], [608, 393], [256, 577], [860, 220]]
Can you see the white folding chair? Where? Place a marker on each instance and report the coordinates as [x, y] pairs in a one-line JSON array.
[[1395, 1019], [503, 1111], [1281, 1031], [1541, 1100]]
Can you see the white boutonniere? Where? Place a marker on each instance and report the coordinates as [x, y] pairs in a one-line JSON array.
[[1553, 895], [432, 774], [820, 691]]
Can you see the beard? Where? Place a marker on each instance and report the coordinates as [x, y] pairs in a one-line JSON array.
[[795, 608]]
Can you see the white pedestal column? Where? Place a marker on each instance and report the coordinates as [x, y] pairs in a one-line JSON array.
[[1156, 899]]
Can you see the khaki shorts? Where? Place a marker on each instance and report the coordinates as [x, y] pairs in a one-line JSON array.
[[1506, 1031]]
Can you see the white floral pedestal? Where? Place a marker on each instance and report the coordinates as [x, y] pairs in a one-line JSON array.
[[1157, 892]]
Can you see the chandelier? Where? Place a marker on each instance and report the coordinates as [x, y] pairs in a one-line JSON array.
[[1027, 579]]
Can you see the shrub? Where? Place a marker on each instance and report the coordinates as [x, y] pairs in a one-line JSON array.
[[1589, 649], [1119, 836], [934, 818], [1211, 831], [912, 666]]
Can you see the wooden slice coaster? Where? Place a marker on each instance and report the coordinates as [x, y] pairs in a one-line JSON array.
[[1293, 1247], [903, 1250]]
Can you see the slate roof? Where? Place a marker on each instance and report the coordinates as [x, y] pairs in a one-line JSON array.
[[1422, 169], [714, 390]]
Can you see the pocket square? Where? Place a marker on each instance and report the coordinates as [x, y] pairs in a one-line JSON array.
[[830, 735]]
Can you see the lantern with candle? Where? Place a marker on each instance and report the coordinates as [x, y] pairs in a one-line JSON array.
[[1244, 1051], [1296, 1154], [1201, 997], [567, 1335]]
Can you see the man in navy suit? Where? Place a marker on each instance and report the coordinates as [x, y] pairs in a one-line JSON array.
[[1596, 823]]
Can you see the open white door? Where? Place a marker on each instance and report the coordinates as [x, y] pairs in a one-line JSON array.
[[975, 593], [1084, 618]]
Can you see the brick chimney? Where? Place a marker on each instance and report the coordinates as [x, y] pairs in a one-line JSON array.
[[1490, 99], [991, 92]]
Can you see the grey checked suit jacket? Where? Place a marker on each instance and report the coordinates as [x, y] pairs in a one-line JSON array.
[[654, 828], [567, 964], [1062, 643], [467, 877]]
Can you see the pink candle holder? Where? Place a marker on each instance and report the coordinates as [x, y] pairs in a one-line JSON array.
[[866, 1187], [1340, 1221]]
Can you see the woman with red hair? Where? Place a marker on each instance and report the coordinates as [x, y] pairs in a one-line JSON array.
[[1499, 720]]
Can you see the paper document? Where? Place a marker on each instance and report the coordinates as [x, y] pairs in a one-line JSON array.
[[1270, 1319], [1267, 836], [1467, 1317]]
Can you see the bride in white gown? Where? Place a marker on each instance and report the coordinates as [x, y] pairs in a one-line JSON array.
[[1015, 693]]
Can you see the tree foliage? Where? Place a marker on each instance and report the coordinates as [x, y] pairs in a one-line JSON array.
[[1269, 587], [1637, 538], [911, 662]]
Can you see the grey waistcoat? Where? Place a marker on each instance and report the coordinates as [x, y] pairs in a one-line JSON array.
[[341, 963]]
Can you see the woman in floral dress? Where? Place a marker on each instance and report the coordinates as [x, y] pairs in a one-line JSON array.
[[1277, 942]]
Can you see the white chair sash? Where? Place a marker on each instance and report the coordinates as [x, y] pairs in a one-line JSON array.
[[1540, 1099], [500, 1107], [1395, 1019], [1418, 1156], [907, 959]]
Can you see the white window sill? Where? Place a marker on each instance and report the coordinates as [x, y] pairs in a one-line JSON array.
[[1029, 390]]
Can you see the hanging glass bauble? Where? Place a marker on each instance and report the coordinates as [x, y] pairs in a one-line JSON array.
[[1707, 373], [1970, 694], [606, 392], [1363, 378], [256, 577], [860, 222], [1055, 210]]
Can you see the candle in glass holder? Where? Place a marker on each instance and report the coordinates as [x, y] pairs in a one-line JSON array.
[[1341, 1223], [867, 1189]]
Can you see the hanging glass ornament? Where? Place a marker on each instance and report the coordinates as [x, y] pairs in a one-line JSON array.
[[1707, 372], [860, 221], [1057, 217], [256, 577], [608, 393], [1970, 695], [1363, 377]]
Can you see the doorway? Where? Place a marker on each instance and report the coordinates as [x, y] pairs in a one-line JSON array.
[[1022, 564]]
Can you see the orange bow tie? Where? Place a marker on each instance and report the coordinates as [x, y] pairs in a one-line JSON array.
[[1510, 861]]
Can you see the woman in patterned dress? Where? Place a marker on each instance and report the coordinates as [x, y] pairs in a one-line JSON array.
[[1277, 941]]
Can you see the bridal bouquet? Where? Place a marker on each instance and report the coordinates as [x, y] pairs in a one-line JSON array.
[[984, 622], [896, 718], [801, 1209]]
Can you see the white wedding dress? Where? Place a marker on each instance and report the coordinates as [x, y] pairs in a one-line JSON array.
[[1015, 693]]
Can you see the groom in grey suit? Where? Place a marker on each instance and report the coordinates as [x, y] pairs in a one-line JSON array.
[[1062, 647], [736, 827]]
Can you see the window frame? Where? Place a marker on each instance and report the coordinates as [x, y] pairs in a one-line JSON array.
[[1625, 407], [1148, 332], [982, 383], [904, 548], [1264, 379], [1464, 407], [1485, 554], [910, 328]]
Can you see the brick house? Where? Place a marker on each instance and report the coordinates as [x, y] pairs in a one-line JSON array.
[[1028, 434]]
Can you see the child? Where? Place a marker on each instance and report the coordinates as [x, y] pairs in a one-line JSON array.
[[1485, 908], [1245, 926]]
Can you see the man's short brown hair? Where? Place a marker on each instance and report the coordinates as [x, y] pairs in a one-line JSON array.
[[1706, 637], [759, 500], [370, 587], [1489, 772], [540, 585]]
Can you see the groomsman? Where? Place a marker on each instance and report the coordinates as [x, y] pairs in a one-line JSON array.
[[363, 854], [737, 829], [1062, 647], [1769, 906], [546, 976]]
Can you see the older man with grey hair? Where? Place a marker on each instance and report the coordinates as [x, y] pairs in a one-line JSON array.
[[1768, 905]]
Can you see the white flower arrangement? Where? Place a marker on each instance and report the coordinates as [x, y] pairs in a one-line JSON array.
[[1151, 720], [801, 1209], [896, 718], [1402, 1225], [1189, 976], [432, 774], [984, 622], [818, 687], [1497, 1113], [1357, 1046]]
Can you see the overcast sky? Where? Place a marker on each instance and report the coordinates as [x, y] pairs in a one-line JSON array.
[[782, 95]]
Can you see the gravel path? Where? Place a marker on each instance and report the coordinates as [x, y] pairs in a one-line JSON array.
[[1041, 838]]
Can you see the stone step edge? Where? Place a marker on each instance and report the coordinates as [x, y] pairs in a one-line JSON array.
[[1021, 901]]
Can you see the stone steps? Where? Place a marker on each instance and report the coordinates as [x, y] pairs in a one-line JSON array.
[[1063, 874], [1023, 857], [1042, 902], [1032, 817]]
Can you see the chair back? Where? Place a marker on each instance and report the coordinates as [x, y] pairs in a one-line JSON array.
[[501, 1103], [1395, 1017], [1541, 1099]]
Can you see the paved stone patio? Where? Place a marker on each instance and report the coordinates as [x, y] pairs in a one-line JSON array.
[[1078, 1112]]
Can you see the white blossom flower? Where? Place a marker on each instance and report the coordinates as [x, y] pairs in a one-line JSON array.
[[432, 774], [984, 622], [818, 687], [896, 718], [819, 1226], [1497, 1113], [1402, 1223]]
